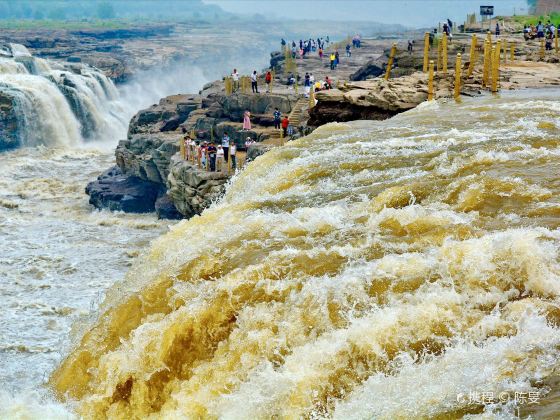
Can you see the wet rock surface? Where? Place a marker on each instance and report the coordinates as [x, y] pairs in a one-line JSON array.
[[192, 189], [116, 191], [9, 128]]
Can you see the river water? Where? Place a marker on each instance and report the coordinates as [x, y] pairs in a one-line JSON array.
[[398, 269], [58, 255]]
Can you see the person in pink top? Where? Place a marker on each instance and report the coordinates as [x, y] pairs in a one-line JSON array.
[[247, 120]]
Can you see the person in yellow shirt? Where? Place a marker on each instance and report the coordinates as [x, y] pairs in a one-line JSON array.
[[332, 57]]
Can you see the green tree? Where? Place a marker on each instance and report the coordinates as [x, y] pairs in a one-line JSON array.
[[105, 11]]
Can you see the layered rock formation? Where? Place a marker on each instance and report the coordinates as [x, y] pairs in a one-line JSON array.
[[148, 159], [191, 189], [374, 99]]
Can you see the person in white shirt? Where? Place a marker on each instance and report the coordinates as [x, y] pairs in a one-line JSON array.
[[225, 145], [254, 78], [235, 78], [220, 166], [232, 153]]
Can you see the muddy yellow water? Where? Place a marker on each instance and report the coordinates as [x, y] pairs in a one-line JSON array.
[[399, 269]]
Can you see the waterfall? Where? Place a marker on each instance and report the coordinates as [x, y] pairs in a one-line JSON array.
[[51, 103], [373, 269]]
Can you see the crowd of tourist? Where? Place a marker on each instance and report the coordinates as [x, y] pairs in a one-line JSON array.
[[210, 155], [540, 31], [222, 155]]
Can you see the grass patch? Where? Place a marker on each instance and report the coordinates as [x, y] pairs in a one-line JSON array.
[[554, 17]]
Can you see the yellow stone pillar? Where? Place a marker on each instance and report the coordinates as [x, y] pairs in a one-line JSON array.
[[182, 149], [426, 51], [472, 58], [439, 53], [391, 59], [486, 64], [312, 96], [495, 66], [444, 50], [431, 81], [458, 64]]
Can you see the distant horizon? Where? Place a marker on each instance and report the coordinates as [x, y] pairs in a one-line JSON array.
[[410, 13]]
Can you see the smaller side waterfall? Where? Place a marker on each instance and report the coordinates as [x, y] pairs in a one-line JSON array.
[[50, 103]]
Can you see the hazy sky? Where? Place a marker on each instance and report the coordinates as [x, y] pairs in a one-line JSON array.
[[406, 12]]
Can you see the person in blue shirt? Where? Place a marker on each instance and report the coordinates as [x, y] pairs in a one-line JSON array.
[[277, 118]]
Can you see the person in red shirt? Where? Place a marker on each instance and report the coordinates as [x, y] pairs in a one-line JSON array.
[[285, 124], [268, 79]]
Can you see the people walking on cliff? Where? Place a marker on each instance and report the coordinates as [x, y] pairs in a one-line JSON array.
[[497, 29], [254, 79], [225, 145], [235, 79], [277, 118], [285, 124], [336, 59], [409, 47], [332, 58], [348, 50], [232, 154], [247, 120], [212, 155], [268, 81], [320, 53]]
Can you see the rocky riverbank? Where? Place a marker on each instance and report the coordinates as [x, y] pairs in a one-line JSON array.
[[148, 164], [150, 154]]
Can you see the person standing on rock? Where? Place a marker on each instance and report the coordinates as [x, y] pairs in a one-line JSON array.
[[247, 120], [348, 50], [220, 159], [277, 118], [235, 79], [232, 153], [254, 82], [204, 155], [268, 81], [336, 59], [249, 141], [497, 29], [540, 30], [285, 124], [225, 145], [332, 58], [212, 155]]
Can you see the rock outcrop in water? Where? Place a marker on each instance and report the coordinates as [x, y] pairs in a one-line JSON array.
[[118, 192]]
